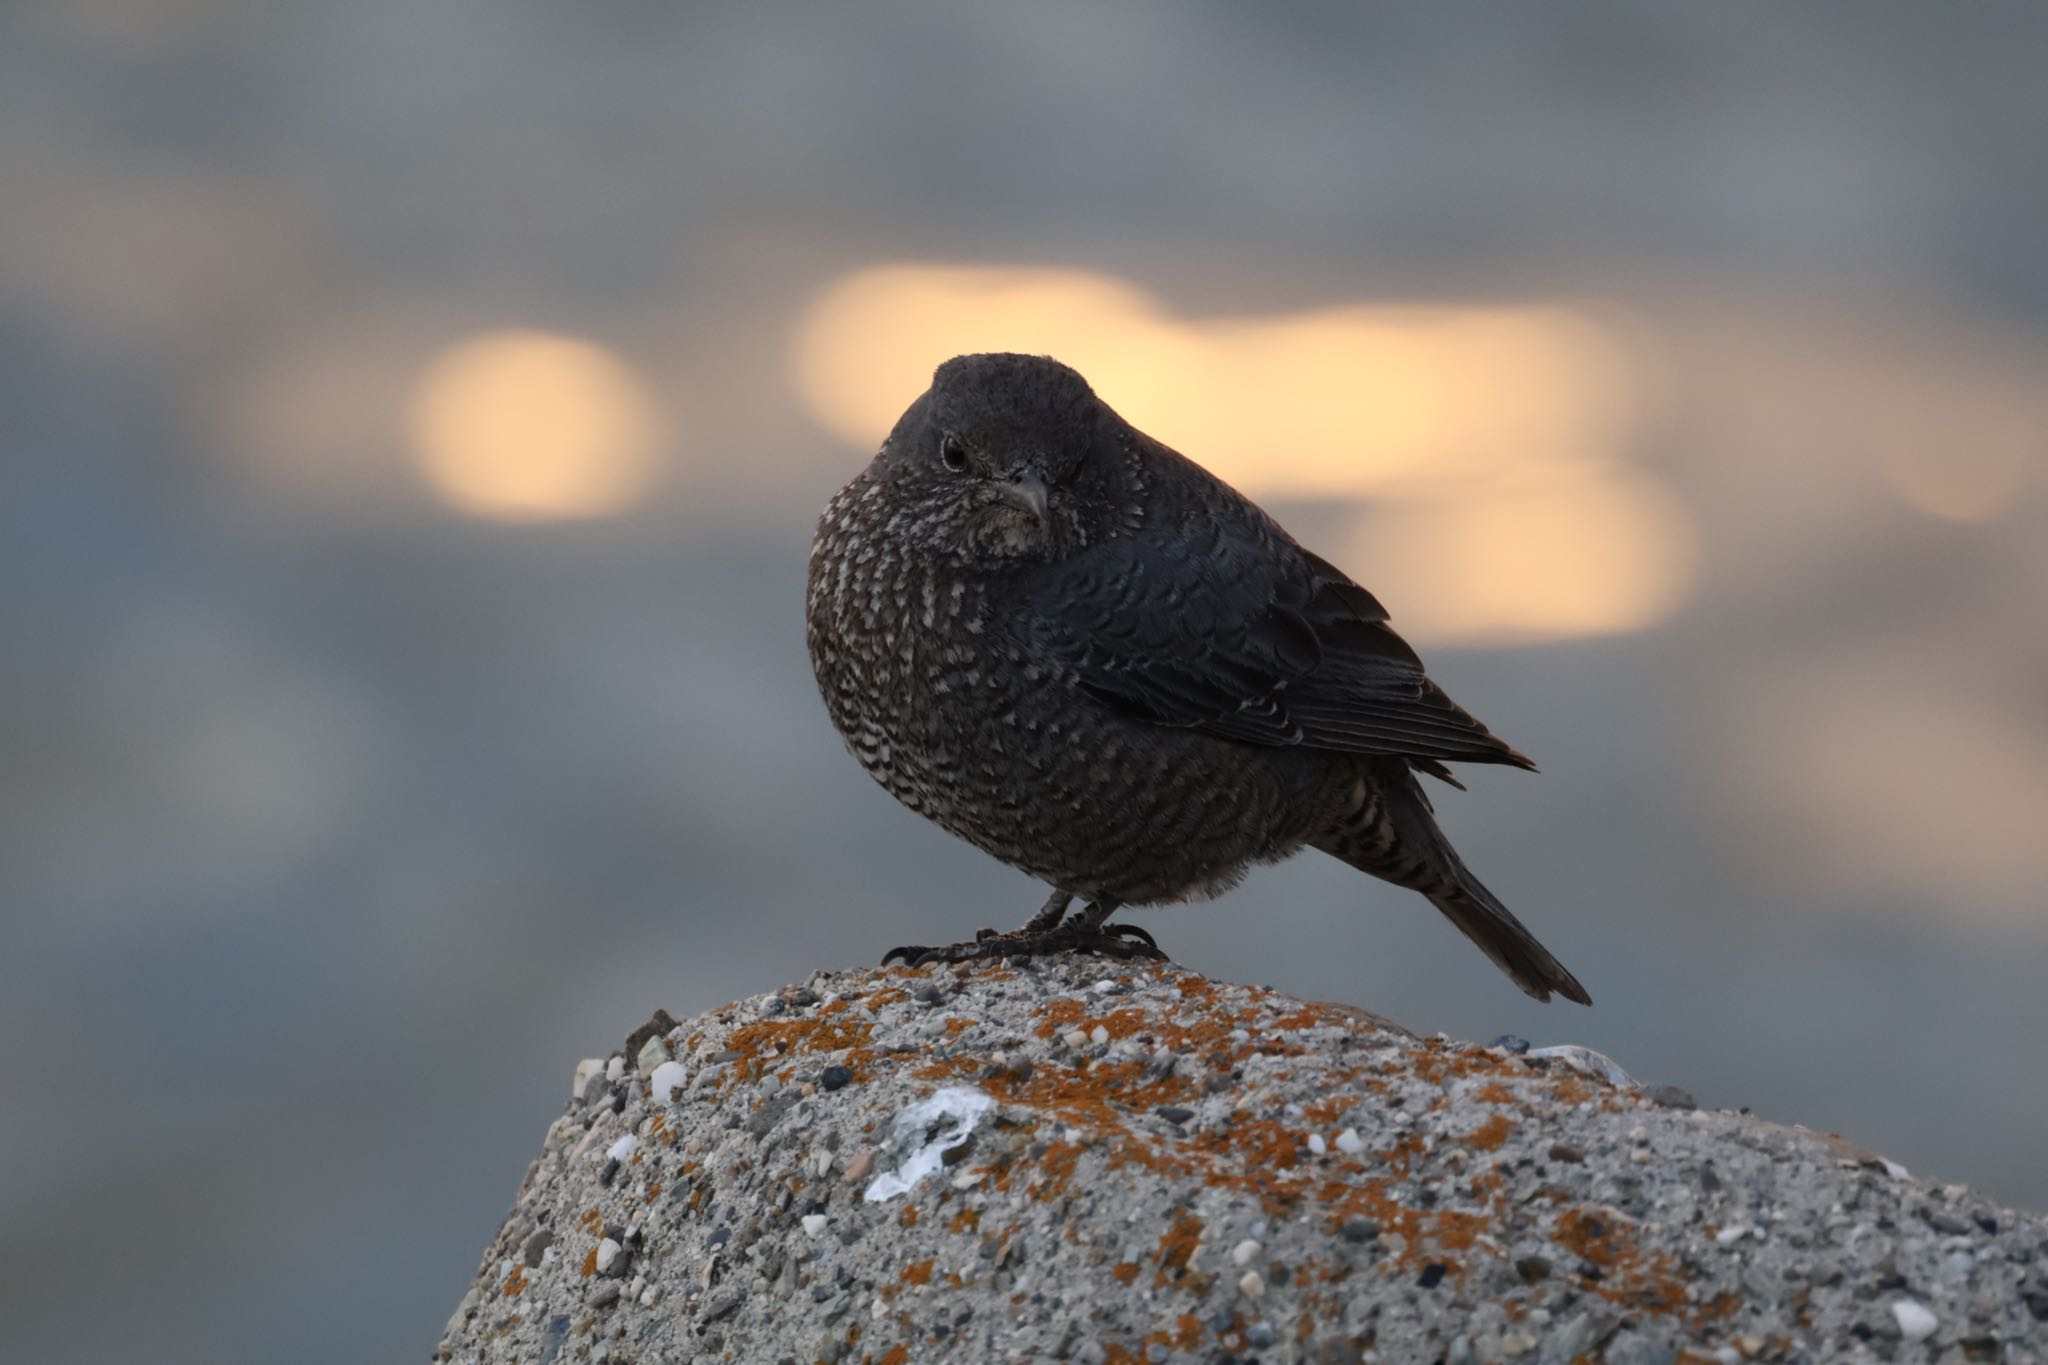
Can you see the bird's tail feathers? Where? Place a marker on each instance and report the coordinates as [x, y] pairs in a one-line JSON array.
[[1393, 835]]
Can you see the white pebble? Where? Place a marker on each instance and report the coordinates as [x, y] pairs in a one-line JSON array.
[[1104, 986], [607, 1252], [623, 1148], [1350, 1143], [667, 1082], [585, 1069], [1916, 1323], [1244, 1251], [1100, 1035], [1252, 1285], [814, 1224], [1316, 1144], [615, 1069], [1732, 1234], [1074, 1038]]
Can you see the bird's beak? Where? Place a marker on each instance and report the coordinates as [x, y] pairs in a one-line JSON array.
[[1026, 490]]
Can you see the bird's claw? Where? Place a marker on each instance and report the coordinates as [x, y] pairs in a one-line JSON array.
[[1124, 942]]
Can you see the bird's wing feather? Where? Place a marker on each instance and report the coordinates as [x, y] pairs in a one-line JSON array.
[[1232, 629]]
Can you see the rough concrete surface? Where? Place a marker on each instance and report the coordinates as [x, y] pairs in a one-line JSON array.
[[1102, 1162]]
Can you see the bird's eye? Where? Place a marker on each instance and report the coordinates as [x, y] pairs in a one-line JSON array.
[[952, 454]]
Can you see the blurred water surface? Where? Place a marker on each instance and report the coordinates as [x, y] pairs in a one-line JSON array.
[[415, 417]]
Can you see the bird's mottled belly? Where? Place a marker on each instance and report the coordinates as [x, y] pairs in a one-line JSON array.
[[962, 725]]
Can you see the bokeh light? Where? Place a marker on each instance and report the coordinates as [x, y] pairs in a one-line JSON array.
[[529, 426], [1489, 437], [1969, 484], [1352, 400], [1607, 552]]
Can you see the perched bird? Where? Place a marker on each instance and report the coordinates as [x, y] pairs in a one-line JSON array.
[[1091, 658]]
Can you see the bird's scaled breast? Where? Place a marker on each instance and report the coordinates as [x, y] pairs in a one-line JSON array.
[[910, 665]]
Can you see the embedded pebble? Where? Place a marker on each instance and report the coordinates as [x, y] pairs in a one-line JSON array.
[[814, 1224], [1245, 1252], [667, 1082], [1916, 1323]]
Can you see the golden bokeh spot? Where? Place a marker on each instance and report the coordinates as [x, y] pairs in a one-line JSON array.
[[1490, 437], [1600, 553], [1980, 484], [530, 426], [1356, 400]]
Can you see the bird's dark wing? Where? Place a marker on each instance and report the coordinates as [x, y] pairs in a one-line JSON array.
[[1236, 631]]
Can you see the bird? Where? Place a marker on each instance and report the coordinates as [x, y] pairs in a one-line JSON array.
[[1086, 655]]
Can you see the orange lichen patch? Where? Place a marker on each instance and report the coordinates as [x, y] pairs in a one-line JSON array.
[[1606, 1238], [908, 1218], [1493, 1092], [1113, 1354], [967, 1220], [918, 1272], [1305, 1017], [1491, 1135], [590, 1264], [884, 997], [1177, 1246], [1124, 1272], [1186, 1336], [590, 1220], [653, 1191], [514, 1283], [897, 1355], [1059, 1161], [1060, 1014], [771, 1039]]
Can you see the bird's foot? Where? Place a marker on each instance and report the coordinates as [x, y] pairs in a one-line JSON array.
[[1124, 942]]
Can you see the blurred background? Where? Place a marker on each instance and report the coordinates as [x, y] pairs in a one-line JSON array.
[[415, 416]]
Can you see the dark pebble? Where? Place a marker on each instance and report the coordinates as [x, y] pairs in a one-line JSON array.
[[1511, 1043], [834, 1078], [536, 1247], [611, 1170], [1432, 1275], [1533, 1268], [604, 1296], [1670, 1096], [720, 1237], [1174, 1113], [930, 995], [1941, 1220], [1986, 1222], [719, 1058], [1359, 1230], [2035, 1296], [1563, 1152]]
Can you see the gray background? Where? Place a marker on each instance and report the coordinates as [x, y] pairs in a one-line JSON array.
[[335, 824]]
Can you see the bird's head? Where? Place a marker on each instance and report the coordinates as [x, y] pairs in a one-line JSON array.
[[1005, 458]]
